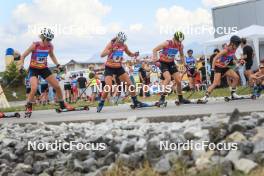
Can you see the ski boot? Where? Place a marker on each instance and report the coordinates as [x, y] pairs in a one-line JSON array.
[[182, 101], [100, 106], [161, 102], [203, 100], [29, 109]]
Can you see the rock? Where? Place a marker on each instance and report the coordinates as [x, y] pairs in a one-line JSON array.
[[110, 158], [96, 173], [259, 135], [153, 150], [259, 146], [131, 161], [203, 162], [23, 168], [233, 155], [127, 147], [51, 153], [140, 144], [7, 155], [245, 165], [216, 134], [20, 149], [7, 142], [234, 116], [20, 173], [246, 147], [77, 166], [44, 174], [237, 126], [260, 121], [189, 133], [39, 156], [40, 166], [89, 164], [227, 168], [172, 157], [236, 137], [29, 160], [163, 166]]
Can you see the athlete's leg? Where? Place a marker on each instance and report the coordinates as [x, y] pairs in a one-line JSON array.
[[235, 80], [33, 90]]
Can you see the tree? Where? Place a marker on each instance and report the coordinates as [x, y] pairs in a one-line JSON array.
[[12, 76]]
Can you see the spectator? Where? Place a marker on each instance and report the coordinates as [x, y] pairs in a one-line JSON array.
[[247, 56], [216, 51], [144, 77], [93, 84], [74, 88], [82, 81]]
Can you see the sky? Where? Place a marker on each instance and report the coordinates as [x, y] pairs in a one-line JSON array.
[[83, 27]]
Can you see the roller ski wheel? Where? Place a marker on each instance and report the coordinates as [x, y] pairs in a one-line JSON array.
[[177, 103], [201, 102], [161, 104], [28, 114], [253, 97], [82, 108], [227, 99], [132, 106], [17, 115]]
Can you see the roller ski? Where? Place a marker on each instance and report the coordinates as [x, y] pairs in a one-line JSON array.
[[67, 108], [140, 105], [234, 97], [9, 115], [256, 92], [162, 102], [203, 100], [182, 101], [28, 111]]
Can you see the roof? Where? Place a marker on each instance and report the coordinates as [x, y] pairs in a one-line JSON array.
[[253, 31], [89, 61], [234, 4]]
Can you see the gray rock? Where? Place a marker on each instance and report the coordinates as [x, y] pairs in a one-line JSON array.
[[234, 116], [237, 126], [153, 150], [245, 165], [24, 168], [127, 147], [163, 166], [108, 159], [20, 173], [89, 164], [29, 160], [233, 155], [227, 168], [259, 146], [246, 147], [40, 156], [132, 161], [7, 155], [77, 166], [140, 144], [40, 166], [51, 153], [7, 142]]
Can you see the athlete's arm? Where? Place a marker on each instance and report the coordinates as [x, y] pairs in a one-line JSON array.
[[219, 55], [53, 57], [26, 53], [107, 50], [129, 53], [157, 49], [182, 55]]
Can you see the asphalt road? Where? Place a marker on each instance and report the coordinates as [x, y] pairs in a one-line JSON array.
[[171, 112]]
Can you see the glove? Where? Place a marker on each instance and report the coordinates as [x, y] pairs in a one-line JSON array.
[[137, 54]]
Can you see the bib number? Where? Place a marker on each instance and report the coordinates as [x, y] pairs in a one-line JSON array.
[[41, 57], [172, 52], [117, 56]]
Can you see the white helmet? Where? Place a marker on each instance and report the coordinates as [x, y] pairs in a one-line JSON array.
[[121, 37], [47, 33]]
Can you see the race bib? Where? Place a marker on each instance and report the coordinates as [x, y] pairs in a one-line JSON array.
[[172, 52], [41, 57], [118, 55]]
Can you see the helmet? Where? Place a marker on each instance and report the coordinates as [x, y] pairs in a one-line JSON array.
[[190, 51], [121, 37], [235, 40], [179, 36], [47, 33]]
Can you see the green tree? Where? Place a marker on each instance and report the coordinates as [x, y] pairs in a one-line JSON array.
[[12, 76]]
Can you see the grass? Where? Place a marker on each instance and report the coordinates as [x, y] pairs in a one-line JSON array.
[[178, 169], [21, 94], [19, 90]]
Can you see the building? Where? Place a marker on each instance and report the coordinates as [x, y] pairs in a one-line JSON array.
[[73, 65], [241, 15]]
